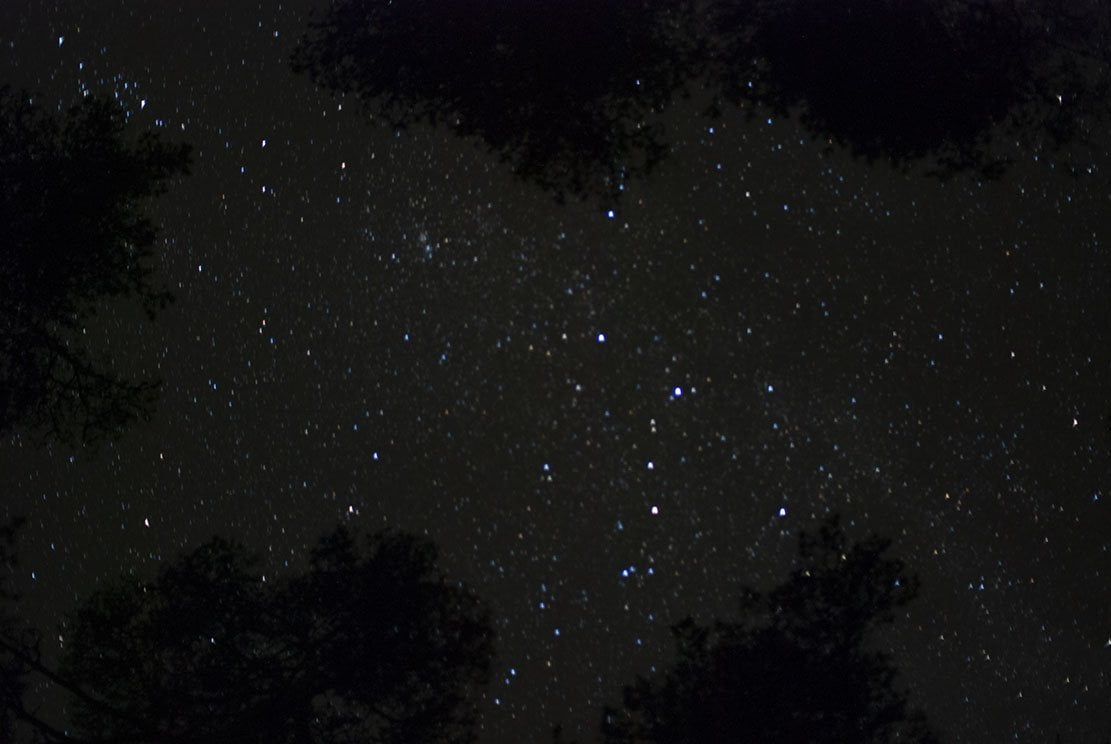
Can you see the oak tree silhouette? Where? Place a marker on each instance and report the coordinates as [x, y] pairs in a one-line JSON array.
[[73, 233], [795, 667], [370, 644]]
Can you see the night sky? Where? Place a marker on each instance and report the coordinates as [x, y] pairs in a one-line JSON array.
[[607, 420]]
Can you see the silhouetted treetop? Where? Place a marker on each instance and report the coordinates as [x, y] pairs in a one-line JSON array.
[[839, 593], [369, 645], [794, 668], [904, 80], [73, 232], [561, 91], [565, 92]]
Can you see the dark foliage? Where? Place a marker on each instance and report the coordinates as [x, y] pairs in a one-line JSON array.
[[368, 646], [566, 92], [20, 651], [72, 234], [13, 672], [795, 668], [908, 80], [561, 91]]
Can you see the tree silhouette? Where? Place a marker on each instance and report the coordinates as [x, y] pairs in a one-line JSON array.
[[20, 653], [795, 668], [566, 92], [907, 80], [72, 191], [563, 92], [369, 645], [13, 672]]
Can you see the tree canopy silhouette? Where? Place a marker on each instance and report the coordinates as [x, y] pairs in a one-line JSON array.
[[73, 233], [563, 92], [566, 92], [369, 645], [13, 671], [907, 80], [20, 650], [795, 668]]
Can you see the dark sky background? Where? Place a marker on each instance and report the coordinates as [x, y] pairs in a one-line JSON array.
[[606, 422]]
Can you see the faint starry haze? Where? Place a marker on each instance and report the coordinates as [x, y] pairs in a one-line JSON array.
[[613, 397]]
